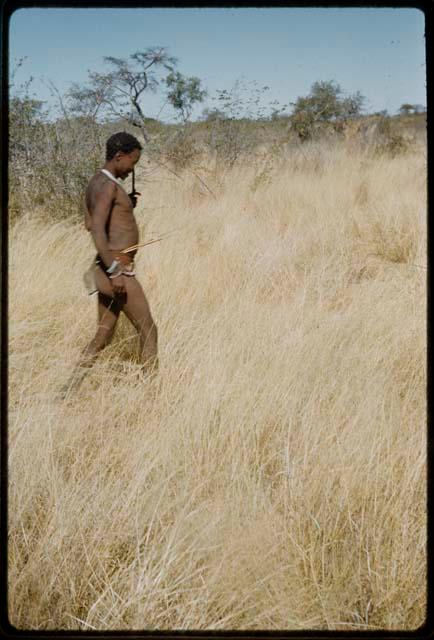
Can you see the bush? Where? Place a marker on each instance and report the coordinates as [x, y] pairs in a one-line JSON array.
[[390, 141], [230, 140], [180, 148], [50, 163], [323, 109]]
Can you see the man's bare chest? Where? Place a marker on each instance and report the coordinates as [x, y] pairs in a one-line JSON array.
[[122, 215]]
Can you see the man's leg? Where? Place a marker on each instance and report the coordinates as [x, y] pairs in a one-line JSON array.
[[109, 309], [136, 308], [108, 313]]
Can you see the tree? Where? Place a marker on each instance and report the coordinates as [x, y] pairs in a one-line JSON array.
[[184, 93], [119, 93], [406, 108], [324, 104]]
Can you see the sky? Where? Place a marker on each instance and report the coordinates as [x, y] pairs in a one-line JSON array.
[[377, 51]]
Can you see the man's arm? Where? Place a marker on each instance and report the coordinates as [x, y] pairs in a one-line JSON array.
[[101, 211]]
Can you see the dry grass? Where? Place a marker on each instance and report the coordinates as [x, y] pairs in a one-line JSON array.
[[273, 476]]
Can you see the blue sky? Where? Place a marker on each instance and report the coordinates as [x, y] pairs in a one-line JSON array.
[[379, 52]]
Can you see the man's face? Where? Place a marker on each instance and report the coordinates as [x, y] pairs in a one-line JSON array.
[[125, 162]]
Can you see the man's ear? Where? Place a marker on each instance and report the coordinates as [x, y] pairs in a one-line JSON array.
[[118, 155]]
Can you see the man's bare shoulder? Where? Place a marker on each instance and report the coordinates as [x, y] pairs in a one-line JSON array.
[[99, 187], [100, 182]]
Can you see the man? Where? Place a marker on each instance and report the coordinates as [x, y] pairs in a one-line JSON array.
[[110, 219]]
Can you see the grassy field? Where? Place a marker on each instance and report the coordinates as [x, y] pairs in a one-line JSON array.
[[273, 475]]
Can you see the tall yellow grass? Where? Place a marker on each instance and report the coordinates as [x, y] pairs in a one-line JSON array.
[[273, 475]]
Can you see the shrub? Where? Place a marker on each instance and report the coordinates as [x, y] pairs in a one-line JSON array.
[[180, 148], [389, 140]]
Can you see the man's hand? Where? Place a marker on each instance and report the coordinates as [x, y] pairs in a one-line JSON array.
[[118, 285]]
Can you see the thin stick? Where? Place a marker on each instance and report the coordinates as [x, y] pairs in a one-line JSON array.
[[144, 244], [137, 246]]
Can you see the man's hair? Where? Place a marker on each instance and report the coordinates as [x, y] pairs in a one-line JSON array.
[[122, 141]]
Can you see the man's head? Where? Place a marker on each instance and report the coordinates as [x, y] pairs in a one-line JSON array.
[[123, 152]]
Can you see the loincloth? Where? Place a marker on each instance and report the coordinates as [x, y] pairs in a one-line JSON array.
[[89, 275], [127, 269]]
